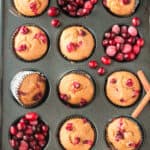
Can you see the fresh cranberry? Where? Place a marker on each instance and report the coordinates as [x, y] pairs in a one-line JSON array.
[[140, 42], [61, 2], [80, 2], [132, 56], [92, 64], [132, 31], [116, 29], [88, 5], [39, 136], [105, 42], [105, 60], [136, 49], [55, 23], [19, 135], [13, 143], [107, 35], [23, 145], [13, 130], [31, 116], [136, 21], [119, 57], [69, 126], [119, 39], [53, 11], [94, 1], [131, 40], [124, 29], [21, 126], [111, 50], [127, 48], [45, 128], [125, 2], [42, 143], [101, 71]]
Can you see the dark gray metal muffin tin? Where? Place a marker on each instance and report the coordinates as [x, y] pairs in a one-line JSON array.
[[53, 65]]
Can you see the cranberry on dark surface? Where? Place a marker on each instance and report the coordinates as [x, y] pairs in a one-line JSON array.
[[25, 135], [93, 64], [53, 11], [105, 60], [55, 23], [140, 42], [101, 71], [136, 21]]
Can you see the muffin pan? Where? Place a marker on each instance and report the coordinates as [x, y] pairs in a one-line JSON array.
[[53, 66]]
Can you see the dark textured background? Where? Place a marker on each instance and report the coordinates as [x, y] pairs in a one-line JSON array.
[[53, 111]]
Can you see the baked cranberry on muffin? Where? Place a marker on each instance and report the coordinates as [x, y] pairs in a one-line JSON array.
[[76, 89], [123, 133], [77, 134], [29, 132], [31, 7], [30, 43], [121, 7], [76, 43], [29, 88], [122, 88]]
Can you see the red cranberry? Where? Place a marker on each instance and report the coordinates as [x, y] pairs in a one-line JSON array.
[[119, 39], [53, 11], [23, 145], [80, 2], [55, 23], [125, 2], [86, 11], [136, 21], [92, 64], [105, 60], [13, 143], [116, 29], [61, 2], [42, 143], [89, 142], [131, 40], [105, 42], [140, 42], [32, 116], [76, 85], [39, 136], [132, 31], [94, 1], [129, 83], [101, 71], [132, 56], [34, 122], [64, 97], [76, 140], [88, 5], [69, 126], [80, 12], [127, 48], [111, 51], [29, 131], [45, 128], [113, 81], [136, 49], [24, 30], [124, 29], [111, 42], [21, 48], [19, 135], [107, 35], [21, 126], [13, 130], [119, 57]]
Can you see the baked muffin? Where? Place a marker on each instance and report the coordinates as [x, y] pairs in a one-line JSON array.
[[122, 88], [123, 133], [31, 8], [29, 132], [76, 43], [77, 134], [121, 7], [30, 43], [76, 89], [29, 88]]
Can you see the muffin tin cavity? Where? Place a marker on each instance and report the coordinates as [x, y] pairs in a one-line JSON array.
[[76, 89], [29, 132], [77, 132], [30, 43], [77, 8], [122, 88], [124, 133], [76, 43], [30, 8], [29, 88], [122, 43], [121, 8]]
